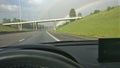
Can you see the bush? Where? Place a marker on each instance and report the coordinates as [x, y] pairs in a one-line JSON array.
[[109, 8]]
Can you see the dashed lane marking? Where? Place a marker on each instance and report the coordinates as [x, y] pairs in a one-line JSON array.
[[21, 40]]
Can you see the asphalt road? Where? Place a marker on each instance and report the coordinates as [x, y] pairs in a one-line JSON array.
[[8, 39], [36, 38], [25, 38]]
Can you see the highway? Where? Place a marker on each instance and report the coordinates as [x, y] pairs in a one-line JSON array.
[[11, 38], [25, 38], [36, 37]]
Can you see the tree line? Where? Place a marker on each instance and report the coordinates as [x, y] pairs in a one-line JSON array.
[[72, 13], [97, 10], [6, 20], [26, 26], [14, 20]]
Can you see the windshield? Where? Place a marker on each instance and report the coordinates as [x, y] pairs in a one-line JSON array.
[[43, 21]]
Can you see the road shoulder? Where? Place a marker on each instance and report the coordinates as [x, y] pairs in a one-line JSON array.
[[69, 37]]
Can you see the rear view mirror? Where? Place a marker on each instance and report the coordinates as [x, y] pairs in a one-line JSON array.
[[109, 50]]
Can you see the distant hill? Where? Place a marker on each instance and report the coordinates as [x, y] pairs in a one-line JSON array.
[[103, 24], [6, 29]]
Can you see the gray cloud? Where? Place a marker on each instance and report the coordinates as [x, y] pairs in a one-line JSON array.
[[8, 8]]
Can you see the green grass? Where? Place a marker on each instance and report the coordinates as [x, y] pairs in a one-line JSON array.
[[103, 24], [7, 29]]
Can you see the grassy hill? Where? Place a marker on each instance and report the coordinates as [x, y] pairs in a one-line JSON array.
[[7, 29], [102, 24]]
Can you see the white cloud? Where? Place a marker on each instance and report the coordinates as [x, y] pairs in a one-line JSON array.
[[35, 2], [4, 7]]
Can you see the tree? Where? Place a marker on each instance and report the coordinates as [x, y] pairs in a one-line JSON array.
[[109, 8], [15, 20], [5, 20], [24, 25], [91, 13], [96, 11], [72, 13]]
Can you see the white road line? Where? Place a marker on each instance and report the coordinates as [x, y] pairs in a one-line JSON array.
[[21, 40], [53, 36]]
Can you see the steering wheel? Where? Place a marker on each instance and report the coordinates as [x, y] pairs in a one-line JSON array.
[[31, 58]]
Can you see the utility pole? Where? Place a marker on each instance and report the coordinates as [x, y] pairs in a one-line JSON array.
[[20, 25]]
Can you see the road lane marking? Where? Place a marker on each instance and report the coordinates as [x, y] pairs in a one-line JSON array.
[[21, 40], [53, 36]]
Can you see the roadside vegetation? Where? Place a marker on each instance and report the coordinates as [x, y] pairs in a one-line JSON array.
[[98, 24], [14, 28], [7, 29], [14, 20]]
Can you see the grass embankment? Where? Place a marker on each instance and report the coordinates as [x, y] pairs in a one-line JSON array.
[[102, 24], [7, 29]]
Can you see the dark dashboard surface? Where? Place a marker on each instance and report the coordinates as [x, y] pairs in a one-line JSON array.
[[86, 53]]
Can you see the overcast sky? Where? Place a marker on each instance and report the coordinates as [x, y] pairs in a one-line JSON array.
[[44, 9]]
